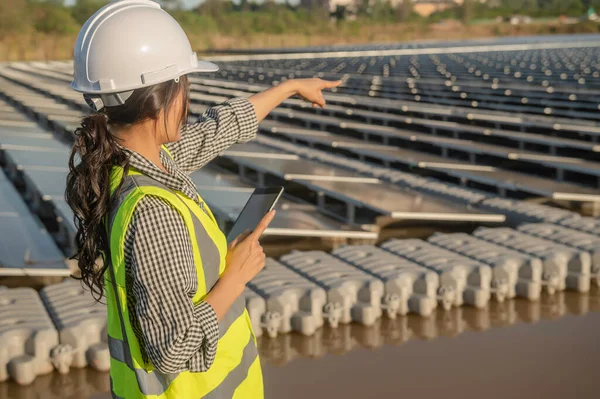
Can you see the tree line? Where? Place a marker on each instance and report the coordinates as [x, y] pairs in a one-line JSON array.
[[246, 16]]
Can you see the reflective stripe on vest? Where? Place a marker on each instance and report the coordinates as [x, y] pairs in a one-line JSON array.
[[229, 373], [155, 383]]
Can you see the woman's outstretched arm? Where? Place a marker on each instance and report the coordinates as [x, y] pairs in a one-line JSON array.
[[236, 121], [309, 89]]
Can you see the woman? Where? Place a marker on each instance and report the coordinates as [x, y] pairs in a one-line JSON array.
[[177, 324]]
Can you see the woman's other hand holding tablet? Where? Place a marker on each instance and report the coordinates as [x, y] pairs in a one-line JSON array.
[[245, 259], [245, 256]]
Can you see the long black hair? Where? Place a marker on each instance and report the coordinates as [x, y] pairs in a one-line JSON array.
[[94, 154]]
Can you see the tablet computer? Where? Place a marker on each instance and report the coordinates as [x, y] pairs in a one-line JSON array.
[[260, 203]]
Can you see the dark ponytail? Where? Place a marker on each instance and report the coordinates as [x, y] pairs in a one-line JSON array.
[[88, 195], [94, 154]]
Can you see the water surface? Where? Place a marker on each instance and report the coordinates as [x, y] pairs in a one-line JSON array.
[[519, 349]]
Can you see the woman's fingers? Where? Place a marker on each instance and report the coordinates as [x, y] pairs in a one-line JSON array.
[[232, 244], [313, 91], [238, 239], [262, 225], [257, 259], [330, 84], [318, 100]]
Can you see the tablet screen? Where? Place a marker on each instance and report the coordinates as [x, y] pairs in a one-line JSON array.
[[259, 204]]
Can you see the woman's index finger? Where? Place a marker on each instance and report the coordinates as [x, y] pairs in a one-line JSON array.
[[263, 224], [330, 84]]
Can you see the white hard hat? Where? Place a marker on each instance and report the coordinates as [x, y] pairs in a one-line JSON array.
[[127, 45]]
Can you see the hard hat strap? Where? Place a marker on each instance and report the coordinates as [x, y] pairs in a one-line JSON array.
[[99, 101]]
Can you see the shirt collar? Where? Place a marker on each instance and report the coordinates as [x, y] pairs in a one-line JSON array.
[[175, 179]]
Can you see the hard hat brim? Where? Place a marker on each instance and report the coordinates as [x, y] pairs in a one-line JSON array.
[[205, 66], [200, 67]]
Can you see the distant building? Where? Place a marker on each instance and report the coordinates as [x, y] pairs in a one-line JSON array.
[[421, 7], [427, 7], [520, 20]]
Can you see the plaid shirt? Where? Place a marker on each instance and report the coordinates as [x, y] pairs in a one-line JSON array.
[[174, 334]]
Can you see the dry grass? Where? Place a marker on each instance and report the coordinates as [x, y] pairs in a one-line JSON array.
[[36, 46], [377, 34]]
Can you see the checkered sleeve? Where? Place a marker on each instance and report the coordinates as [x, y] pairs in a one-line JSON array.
[[219, 127], [176, 334]]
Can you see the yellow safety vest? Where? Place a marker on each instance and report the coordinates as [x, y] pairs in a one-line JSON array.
[[235, 372]]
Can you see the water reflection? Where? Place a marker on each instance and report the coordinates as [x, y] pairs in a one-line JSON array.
[[87, 383], [286, 348], [78, 384]]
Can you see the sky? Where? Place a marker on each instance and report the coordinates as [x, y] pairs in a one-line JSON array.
[[191, 3]]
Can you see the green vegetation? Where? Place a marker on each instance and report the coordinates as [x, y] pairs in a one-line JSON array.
[[474, 9], [33, 29]]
